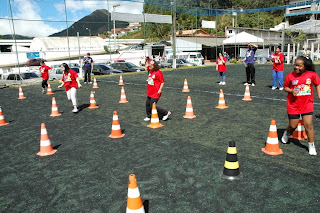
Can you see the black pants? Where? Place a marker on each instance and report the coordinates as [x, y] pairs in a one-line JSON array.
[[149, 102], [44, 83], [251, 72], [87, 74]]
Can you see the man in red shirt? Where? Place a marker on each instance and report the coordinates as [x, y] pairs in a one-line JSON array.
[[44, 70], [277, 69]]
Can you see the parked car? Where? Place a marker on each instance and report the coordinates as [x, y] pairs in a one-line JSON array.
[[126, 67], [180, 63], [27, 77], [55, 74], [104, 69], [34, 61]]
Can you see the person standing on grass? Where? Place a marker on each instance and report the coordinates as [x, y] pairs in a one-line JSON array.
[[249, 59], [277, 69], [44, 70], [154, 91], [71, 83], [221, 68], [298, 85], [88, 67]]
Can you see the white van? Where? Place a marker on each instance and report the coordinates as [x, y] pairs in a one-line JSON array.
[[191, 57]]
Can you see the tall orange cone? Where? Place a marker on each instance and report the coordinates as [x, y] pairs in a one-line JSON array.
[[185, 86], [123, 97], [3, 121], [93, 104], [299, 133], [155, 123], [49, 91], [45, 145], [247, 94], [54, 109], [95, 85], [189, 110], [222, 103], [121, 81], [116, 129], [272, 145], [21, 96], [134, 201]]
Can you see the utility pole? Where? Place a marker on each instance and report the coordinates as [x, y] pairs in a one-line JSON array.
[[174, 64], [114, 26]]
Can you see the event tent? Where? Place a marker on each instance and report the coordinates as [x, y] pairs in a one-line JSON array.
[[243, 38]]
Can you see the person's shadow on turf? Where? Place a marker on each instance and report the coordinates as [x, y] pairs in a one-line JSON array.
[[83, 106], [291, 140]]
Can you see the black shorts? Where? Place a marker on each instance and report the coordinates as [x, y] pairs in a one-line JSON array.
[[298, 115]]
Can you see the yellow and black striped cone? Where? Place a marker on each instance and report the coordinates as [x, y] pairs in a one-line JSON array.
[[231, 165]]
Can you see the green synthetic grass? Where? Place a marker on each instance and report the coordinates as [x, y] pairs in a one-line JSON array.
[[177, 166]]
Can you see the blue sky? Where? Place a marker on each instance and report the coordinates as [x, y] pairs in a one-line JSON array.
[[39, 18]]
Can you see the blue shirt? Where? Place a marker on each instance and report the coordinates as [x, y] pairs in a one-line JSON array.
[[87, 62], [250, 55]]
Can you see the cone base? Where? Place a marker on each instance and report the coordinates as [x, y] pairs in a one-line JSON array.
[[300, 139], [123, 102], [154, 126], [240, 176], [247, 99], [95, 87], [21, 97], [222, 107], [47, 153], [186, 90], [93, 107], [116, 136], [280, 152], [55, 115], [3, 124], [189, 116]]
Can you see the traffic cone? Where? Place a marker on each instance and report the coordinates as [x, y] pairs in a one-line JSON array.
[[54, 109], [189, 110], [134, 201], [21, 96], [93, 104], [115, 129], [299, 133], [49, 91], [3, 121], [247, 94], [185, 86], [45, 145], [123, 98], [155, 123], [121, 81], [231, 165], [95, 85], [222, 104], [272, 145]]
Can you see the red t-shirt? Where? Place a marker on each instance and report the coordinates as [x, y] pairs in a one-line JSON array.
[[303, 101], [44, 70], [221, 64], [70, 80], [277, 62], [155, 79]]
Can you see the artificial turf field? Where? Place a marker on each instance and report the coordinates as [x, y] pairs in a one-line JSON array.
[[177, 166]]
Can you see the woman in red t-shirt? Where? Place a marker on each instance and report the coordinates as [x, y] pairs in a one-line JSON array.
[[154, 91], [221, 68], [298, 85], [71, 83]]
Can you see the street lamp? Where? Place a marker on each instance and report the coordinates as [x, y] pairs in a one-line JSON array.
[[114, 25], [90, 35]]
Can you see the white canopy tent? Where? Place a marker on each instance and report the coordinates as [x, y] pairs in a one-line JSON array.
[[243, 38]]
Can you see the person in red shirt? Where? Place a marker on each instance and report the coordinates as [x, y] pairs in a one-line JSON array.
[[298, 85], [277, 69], [221, 68], [71, 83], [154, 91], [44, 70]]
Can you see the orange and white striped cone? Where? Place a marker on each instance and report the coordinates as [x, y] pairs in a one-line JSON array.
[[49, 91], [134, 201], [45, 145], [121, 81], [123, 97], [185, 86], [3, 121], [299, 133], [21, 96], [189, 110], [115, 129], [247, 94], [54, 109], [222, 103], [95, 85], [93, 104], [155, 123], [272, 145]]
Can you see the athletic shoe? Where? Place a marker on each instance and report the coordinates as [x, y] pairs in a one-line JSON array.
[[166, 116], [246, 83], [75, 110], [223, 83], [312, 149], [285, 137], [220, 83], [253, 84], [281, 88], [85, 82], [147, 119], [43, 91], [273, 88], [90, 82]]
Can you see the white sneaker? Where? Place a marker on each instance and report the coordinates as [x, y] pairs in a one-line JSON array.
[[75, 110], [253, 84], [43, 91], [312, 149], [220, 83], [281, 88], [90, 82], [147, 119], [223, 83], [166, 116], [285, 137], [246, 84], [273, 88]]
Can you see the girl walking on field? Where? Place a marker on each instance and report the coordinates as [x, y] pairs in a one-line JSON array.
[[298, 85]]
